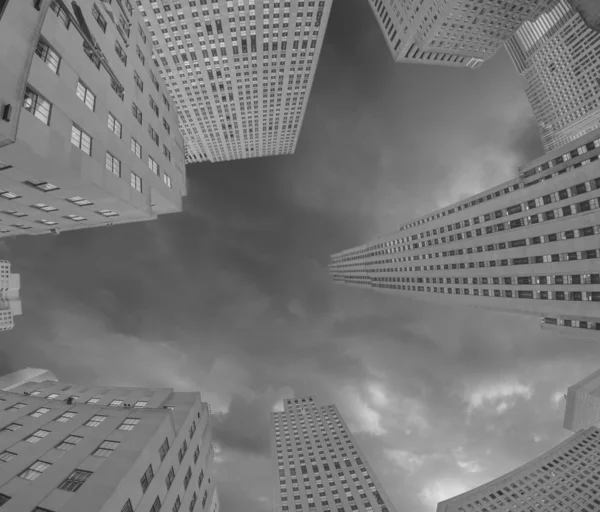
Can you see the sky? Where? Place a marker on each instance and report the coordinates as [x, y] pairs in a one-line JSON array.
[[232, 296]]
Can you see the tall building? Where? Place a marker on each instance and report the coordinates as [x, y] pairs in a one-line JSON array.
[[567, 477], [240, 72], [88, 132], [455, 33], [528, 246], [10, 303], [215, 505], [102, 448], [21, 377], [559, 59], [589, 10], [582, 409], [318, 466]]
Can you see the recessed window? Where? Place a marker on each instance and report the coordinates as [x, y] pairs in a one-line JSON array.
[[128, 507], [129, 424], [114, 125], [153, 166], [121, 53], [167, 180], [16, 406], [140, 405], [11, 427], [170, 477], [35, 470], [147, 478], [38, 412], [39, 106], [52, 396], [106, 448], [81, 140], [45, 52], [63, 418], [7, 456], [107, 213], [76, 218], [37, 435], [138, 81], [85, 95], [99, 18], [137, 113], [113, 164], [80, 201], [136, 182], [140, 54], [95, 421], [68, 443], [136, 148], [75, 480], [116, 403]]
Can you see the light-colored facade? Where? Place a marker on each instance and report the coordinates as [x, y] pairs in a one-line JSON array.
[[25, 375], [71, 448], [567, 477], [215, 505], [317, 464], [87, 137], [589, 10], [582, 409], [10, 303], [559, 59], [455, 33], [239, 71], [528, 246]]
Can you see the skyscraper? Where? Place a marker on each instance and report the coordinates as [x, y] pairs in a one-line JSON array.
[[582, 409], [559, 59], [566, 477], [88, 132], [528, 246], [102, 448], [318, 466], [10, 303], [456, 33], [240, 71], [589, 10]]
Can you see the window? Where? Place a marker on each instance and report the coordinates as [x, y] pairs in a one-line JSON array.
[[140, 54], [193, 501], [35, 470], [85, 95], [79, 201], [182, 450], [68, 443], [11, 428], [138, 81], [113, 164], [99, 18], [129, 424], [16, 406], [81, 140], [45, 52], [187, 478], [142, 34], [121, 53], [136, 182], [63, 418], [60, 13], [177, 504], [37, 435], [164, 448], [167, 153], [170, 477], [153, 105], [75, 480], [153, 166], [167, 180], [106, 448], [114, 125], [108, 213], [200, 478], [128, 507], [3, 499], [166, 126], [76, 218], [7, 456], [140, 405], [137, 113], [147, 478], [136, 148], [153, 135], [51, 396], [204, 498], [95, 421], [39, 106]]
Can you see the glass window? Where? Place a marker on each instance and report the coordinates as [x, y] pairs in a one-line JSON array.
[[85, 95], [35, 470], [45, 52], [39, 106], [81, 140], [75, 480]]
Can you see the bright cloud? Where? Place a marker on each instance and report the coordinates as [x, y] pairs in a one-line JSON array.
[[378, 395], [406, 460], [501, 396], [364, 417], [557, 398], [463, 462], [441, 490]]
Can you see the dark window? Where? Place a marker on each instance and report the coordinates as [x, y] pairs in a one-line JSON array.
[[75, 480], [147, 478]]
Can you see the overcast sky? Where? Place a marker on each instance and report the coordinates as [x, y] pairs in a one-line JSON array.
[[232, 296]]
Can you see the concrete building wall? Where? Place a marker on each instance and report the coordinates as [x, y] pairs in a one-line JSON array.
[[582, 409], [317, 465], [240, 72], [48, 184], [559, 59], [565, 477], [177, 421], [459, 34], [528, 246], [10, 303]]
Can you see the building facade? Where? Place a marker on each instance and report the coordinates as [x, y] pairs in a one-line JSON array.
[[88, 132], [527, 246], [318, 466], [455, 33], [240, 72], [558, 57], [10, 303], [72, 448], [582, 409], [589, 10], [567, 477]]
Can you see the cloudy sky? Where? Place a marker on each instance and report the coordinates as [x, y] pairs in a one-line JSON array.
[[232, 296]]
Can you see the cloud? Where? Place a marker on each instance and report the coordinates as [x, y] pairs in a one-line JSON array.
[[557, 398], [364, 418], [407, 460], [439, 490], [500, 396]]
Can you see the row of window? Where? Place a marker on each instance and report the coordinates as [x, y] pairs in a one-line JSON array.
[[578, 152]]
